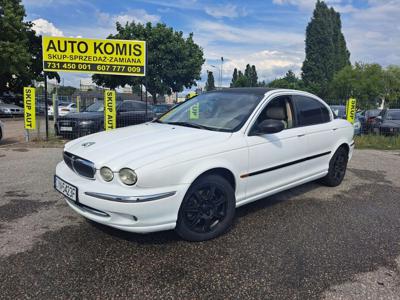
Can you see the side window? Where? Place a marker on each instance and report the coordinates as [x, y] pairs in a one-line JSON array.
[[126, 106], [310, 111], [139, 106], [279, 108]]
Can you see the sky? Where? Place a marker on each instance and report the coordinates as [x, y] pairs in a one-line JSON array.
[[267, 33]]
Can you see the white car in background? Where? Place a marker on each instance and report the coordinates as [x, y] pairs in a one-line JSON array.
[[64, 108], [191, 168]]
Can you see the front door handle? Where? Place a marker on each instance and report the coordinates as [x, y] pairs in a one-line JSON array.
[[334, 129], [301, 135]]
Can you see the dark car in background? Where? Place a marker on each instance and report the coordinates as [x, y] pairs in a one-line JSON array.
[[368, 119], [388, 122], [160, 109], [91, 120]]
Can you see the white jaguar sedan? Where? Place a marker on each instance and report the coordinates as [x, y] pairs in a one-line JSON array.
[[190, 169]]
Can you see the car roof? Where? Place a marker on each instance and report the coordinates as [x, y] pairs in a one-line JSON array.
[[246, 90]]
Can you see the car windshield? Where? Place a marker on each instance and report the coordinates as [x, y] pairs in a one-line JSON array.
[[98, 106], [219, 111], [160, 108], [393, 115]]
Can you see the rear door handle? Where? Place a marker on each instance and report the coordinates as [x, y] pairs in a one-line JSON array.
[[334, 129]]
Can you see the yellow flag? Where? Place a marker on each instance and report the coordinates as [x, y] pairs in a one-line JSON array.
[[29, 108], [110, 110]]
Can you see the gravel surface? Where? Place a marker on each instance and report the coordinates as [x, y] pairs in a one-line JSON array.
[[311, 242]]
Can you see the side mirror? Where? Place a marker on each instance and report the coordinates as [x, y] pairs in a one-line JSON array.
[[270, 126]]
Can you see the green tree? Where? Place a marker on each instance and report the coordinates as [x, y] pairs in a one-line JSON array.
[[20, 49], [365, 82], [14, 54], [242, 80], [210, 85], [289, 81], [248, 79], [326, 50], [234, 77], [173, 62], [253, 76]]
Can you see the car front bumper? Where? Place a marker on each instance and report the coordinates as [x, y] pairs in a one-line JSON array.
[[140, 210]]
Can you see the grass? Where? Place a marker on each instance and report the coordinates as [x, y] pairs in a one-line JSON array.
[[378, 142]]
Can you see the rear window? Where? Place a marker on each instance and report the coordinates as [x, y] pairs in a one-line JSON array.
[[393, 115]]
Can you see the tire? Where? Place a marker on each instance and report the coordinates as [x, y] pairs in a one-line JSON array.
[[207, 210], [337, 168]]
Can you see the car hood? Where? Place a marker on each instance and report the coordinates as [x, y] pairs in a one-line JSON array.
[[83, 116], [391, 123], [139, 145]]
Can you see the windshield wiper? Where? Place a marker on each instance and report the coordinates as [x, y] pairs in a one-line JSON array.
[[188, 124]]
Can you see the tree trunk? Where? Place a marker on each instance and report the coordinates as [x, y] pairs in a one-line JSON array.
[[154, 96]]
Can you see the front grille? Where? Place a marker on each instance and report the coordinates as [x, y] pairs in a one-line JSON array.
[[67, 123], [80, 165]]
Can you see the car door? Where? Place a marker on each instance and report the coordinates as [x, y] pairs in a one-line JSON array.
[[275, 159], [316, 118]]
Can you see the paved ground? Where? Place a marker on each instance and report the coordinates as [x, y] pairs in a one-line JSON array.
[[14, 131], [311, 242]]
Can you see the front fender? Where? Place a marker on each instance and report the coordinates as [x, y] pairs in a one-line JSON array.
[[235, 161]]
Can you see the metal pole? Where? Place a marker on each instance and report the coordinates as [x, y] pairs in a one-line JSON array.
[[146, 103], [46, 106]]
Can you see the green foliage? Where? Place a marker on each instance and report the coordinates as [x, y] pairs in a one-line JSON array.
[[289, 81], [379, 142], [326, 50], [210, 85], [368, 83], [14, 54], [234, 77], [248, 79], [20, 49], [173, 62]]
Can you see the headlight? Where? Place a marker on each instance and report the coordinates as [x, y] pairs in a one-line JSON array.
[[127, 176], [85, 122], [106, 174]]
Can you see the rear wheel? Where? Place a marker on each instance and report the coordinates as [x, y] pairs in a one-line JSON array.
[[337, 168], [207, 210]]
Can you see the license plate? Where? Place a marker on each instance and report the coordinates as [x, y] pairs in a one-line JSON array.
[[64, 128], [68, 190]]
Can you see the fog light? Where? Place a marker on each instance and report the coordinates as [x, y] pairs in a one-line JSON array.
[[106, 174], [127, 176]]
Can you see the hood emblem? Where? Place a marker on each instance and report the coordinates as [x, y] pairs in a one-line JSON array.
[[88, 144]]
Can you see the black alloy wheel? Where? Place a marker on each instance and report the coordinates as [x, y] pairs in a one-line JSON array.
[[207, 209], [337, 168]]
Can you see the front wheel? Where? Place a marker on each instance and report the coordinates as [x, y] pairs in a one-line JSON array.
[[337, 168], [207, 210]]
